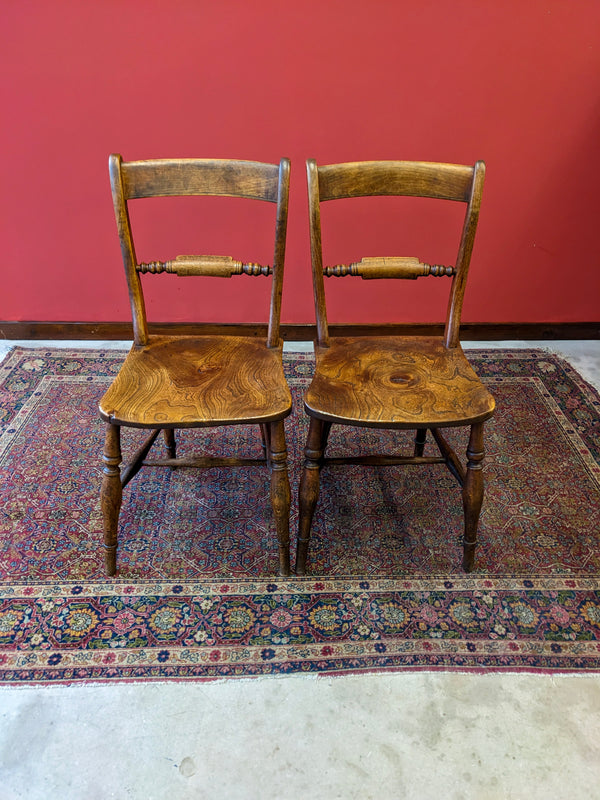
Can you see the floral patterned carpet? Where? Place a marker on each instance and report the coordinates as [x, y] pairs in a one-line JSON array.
[[196, 595]]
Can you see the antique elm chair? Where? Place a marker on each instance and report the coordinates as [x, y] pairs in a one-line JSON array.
[[419, 383], [170, 382]]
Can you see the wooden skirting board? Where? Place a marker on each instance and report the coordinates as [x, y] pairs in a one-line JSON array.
[[470, 331]]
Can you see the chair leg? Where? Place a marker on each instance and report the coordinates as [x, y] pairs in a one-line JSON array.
[[265, 436], [110, 495], [280, 491], [420, 437], [169, 437], [473, 493], [309, 487], [325, 435]]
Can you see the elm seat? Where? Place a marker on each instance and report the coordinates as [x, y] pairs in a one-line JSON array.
[[395, 382], [170, 382], [187, 382]]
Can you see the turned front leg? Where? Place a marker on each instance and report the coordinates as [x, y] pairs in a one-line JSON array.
[[309, 487], [280, 491], [110, 495], [473, 493]]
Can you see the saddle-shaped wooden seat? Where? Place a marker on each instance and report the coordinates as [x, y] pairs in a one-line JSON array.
[[187, 382], [396, 382]]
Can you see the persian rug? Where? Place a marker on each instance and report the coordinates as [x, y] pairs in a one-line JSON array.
[[196, 595]]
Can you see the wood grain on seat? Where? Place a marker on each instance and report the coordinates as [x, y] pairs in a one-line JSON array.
[[198, 381], [396, 382]]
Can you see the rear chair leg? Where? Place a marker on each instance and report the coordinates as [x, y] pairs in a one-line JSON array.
[[420, 437], [325, 435], [266, 442], [280, 491], [110, 495], [169, 437], [309, 487], [473, 493]]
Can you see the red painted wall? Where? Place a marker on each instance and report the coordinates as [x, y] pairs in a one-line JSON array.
[[514, 83]]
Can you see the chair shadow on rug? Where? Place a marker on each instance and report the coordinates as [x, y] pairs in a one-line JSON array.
[[171, 382], [393, 382]]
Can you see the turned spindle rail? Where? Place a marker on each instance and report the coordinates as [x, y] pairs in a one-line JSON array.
[[406, 268], [203, 266]]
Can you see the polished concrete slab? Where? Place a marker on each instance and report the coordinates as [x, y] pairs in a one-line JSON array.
[[415, 735]]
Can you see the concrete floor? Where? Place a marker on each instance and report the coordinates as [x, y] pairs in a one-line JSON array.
[[416, 735]]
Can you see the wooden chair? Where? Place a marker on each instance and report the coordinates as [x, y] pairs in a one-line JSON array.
[[395, 382], [169, 382]]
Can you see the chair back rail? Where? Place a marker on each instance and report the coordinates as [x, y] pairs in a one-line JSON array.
[[410, 178], [186, 176]]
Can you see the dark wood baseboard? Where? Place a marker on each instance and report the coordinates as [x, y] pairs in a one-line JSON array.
[[470, 331]]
